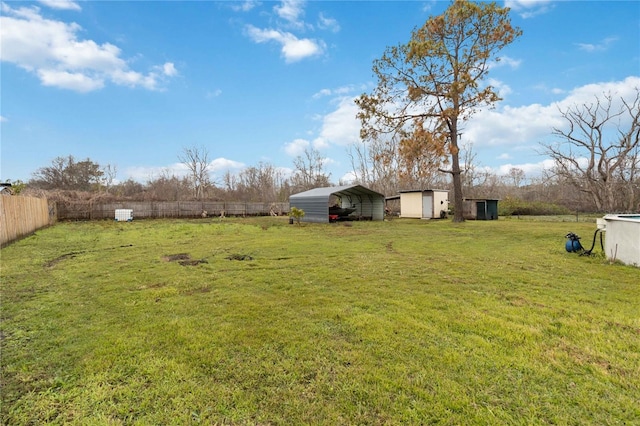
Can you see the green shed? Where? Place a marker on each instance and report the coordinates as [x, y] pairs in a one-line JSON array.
[[480, 209]]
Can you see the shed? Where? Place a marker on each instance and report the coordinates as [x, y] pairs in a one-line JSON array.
[[480, 209], [366, 204], [424, 203]]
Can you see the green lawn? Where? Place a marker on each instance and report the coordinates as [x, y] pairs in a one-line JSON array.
[[255, 321]]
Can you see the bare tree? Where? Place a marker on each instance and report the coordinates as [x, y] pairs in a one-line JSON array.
[[361, 166], [109, 173], [259, 183], [474, 178], [375, 164], [309, 172], [516, 176], [167, 187], [197, 162], [599, 153]]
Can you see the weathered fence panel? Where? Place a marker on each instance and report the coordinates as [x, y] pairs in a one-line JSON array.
[[87, 210], [20, 216]]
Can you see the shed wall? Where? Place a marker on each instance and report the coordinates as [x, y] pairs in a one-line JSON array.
[[316, 209], [492, 210], [469, 209], [622, 239], [411, 204], [440, 202], [480, 209]]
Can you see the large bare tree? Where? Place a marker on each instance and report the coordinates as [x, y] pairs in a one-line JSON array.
[[263, 182], [598, 152], [196, 159], [430, 85], [309, 171], [375, 164]]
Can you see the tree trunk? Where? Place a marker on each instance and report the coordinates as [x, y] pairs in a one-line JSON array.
[[458, 215]]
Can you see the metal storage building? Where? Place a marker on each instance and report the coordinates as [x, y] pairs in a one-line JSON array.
[[480, 209], [368, 204], [424, 203]]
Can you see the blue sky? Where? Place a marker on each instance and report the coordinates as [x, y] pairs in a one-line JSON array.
[[132, 83]]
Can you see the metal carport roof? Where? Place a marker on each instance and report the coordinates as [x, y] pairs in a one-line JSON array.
[[315, 202]]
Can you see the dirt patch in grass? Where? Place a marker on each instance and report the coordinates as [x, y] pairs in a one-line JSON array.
[[239, 257], [54, 262], [199, 290], [183, 259], [176, 257], [72, 254], [193, 262]]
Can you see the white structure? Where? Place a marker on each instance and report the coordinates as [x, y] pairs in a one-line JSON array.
[[124, 215], [424, 203], [622, 240]]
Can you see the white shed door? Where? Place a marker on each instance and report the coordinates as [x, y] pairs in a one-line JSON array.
[[427, 206]]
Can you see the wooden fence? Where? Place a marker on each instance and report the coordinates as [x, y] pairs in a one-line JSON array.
[[86, 210], [20, 216]]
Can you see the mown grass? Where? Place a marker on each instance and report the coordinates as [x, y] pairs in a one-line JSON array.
[[401, 322]]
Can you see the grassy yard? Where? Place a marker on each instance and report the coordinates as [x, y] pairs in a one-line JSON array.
[[255, 321]]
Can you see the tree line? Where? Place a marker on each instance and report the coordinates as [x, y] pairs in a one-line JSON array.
[[68, 177]]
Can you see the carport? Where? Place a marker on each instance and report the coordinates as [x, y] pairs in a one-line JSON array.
[[366, 204]]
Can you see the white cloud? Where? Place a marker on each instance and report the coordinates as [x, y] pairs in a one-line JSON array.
[[222, 165], [244, 6], [67, 80], [320, 144], [504, 156], [428, 5], [291, 11], [501, 88], [586, 94], [340, 127], [529, 8], [599, 47], [61, 4], [326, 23], [293, 48], [169, 69], [296, 147], [219, 167], [505, 61], [530, 169], [322, 93], [511, 125], [52, 50], [343, 90], [530, 124]]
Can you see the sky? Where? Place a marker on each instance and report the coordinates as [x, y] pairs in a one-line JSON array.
[[131, 84]]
